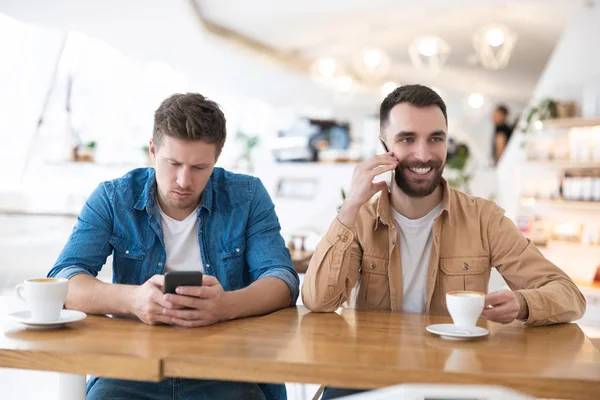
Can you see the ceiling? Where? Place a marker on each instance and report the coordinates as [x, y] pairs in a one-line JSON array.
[[170, 31], [340, 28]]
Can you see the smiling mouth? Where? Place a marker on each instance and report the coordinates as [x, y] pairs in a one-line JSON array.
[[421, 171]]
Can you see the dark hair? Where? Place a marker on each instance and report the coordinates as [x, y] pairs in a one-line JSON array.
[[503, 109], [415, 95], [190, 116]]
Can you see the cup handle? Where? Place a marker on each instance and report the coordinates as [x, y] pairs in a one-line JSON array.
[[19, 291]]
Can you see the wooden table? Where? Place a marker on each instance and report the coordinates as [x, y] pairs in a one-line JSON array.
[[364, 349]]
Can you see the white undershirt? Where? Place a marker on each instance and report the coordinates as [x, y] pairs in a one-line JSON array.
[[181, 243], [415, 240]]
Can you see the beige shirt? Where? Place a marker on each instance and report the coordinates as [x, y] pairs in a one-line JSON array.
[[470, 236]]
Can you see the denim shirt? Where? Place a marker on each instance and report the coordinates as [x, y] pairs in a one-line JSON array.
[[238, 233]]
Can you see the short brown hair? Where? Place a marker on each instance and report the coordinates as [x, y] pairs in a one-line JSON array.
[[415, 95], [190, 116]]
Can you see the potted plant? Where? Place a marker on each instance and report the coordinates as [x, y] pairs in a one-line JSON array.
[[248, 143], [87, 152], [546, 109], [343, 193], [456, 163]]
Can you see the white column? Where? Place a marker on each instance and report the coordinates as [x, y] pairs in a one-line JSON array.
[[71, 387]]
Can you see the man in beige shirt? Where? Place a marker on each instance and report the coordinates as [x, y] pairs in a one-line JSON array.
[[465, 239], [404, 248]]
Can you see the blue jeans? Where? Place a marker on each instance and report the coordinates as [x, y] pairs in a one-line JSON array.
[[173, 389], [334, 393]]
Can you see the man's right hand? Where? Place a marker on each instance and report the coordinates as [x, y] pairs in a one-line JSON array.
[[148, 302], [362, 187]]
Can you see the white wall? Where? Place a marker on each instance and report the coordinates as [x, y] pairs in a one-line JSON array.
[[22, 94], [573, 69], [575, 62]]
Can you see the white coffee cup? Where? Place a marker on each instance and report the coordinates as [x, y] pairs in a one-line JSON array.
[[465, 307], [45, 297]]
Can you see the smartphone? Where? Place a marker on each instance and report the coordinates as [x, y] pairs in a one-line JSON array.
[[174, 279]]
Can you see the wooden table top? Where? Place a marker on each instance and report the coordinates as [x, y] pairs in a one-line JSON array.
[[98, 345], [363, 349]]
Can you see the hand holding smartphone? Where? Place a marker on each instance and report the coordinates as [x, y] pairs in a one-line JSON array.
[[174, 279]]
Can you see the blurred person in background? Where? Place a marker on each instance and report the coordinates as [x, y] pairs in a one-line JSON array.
[[184, 214], [502, 131]]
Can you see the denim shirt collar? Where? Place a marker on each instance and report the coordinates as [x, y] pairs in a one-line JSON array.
[[206, 201], [147, 199]]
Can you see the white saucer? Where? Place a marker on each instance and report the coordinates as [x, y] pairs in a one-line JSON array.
[[66, 317], [451, 331]]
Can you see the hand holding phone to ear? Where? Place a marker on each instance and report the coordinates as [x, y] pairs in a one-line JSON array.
[[362, 187]]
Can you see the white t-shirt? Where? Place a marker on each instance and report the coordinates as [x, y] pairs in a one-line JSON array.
[[181, 243], [415, 240]]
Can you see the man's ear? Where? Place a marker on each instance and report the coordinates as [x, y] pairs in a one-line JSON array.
[[152, 150]]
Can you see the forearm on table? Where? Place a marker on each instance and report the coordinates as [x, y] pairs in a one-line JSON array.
[[556, 302], [261, 297], [92, 296]]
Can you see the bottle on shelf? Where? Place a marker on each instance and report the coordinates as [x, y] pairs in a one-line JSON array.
[[581, 185]]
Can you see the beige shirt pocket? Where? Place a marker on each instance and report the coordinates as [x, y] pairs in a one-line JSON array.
[[463, 273], [374, 290]]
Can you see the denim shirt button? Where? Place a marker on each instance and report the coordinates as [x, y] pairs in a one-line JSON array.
[[207, 265], [160, 264], [237, 250], [126, 251]]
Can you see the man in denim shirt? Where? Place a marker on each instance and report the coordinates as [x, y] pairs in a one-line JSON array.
[[184, 214]]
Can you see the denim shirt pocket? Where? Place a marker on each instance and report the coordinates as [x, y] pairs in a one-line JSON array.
[[233, 259], [128, 259]]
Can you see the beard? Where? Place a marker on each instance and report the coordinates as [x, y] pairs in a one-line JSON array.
[[188, 202], [418, 187]]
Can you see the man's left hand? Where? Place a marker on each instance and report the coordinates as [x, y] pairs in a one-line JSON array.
[[204, 305], [504, 307]]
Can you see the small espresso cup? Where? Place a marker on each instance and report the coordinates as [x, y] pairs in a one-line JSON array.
[[45, 297], [465, 307]]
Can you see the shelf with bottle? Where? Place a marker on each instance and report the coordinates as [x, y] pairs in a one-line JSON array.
[[571, 187], [580, 262], [561, 203], [562, 163], [567, 145], [589, 285], [565, 123], [542, 230]]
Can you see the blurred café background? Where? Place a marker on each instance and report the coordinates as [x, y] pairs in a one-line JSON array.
[[300, 83]]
